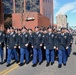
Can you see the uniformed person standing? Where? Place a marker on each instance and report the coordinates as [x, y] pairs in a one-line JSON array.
[[11, 45], [18, 38], [23, 45], [7, 36], [63, 45], [16, 35], [50, 46], [37, 43], [70, 42], [55, 33], [43, 42], [30, 41]]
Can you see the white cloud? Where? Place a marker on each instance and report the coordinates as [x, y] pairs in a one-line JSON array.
[[56, 4], [67, 7]]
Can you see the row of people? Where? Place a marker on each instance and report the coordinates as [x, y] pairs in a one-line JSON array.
[[42, 43]]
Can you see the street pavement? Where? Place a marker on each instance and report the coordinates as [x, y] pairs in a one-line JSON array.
[[69, 69]]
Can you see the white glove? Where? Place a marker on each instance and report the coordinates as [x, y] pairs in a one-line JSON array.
[[67, 47], [54, 47], [44, 47]]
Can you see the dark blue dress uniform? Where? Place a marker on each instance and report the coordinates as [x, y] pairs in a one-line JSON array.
[[1, 49], [11, 43], [43, 42], [23, 49], [37, 52], [18, 38], [30, 41], [7, 37], [63, 44], [70, 44], [49, 44]]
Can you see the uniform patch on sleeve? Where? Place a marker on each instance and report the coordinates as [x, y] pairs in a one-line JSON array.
[[43, 36], [39, 35], [14, 35], [25, 35], [65, 37], [52, 35]]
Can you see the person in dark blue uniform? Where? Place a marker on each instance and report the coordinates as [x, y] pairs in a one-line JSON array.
[[16, 34], [37, 43], [23, 45], [70, 42], [7, 36], [30, 41], [43, 42], [55, 33], [63, 45], [18, 38], [11, 45], [50, 46]]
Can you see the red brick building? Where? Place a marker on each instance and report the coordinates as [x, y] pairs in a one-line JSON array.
[[38, 20], [42, 18]]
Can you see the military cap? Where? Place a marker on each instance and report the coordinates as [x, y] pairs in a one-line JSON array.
[[18, 29], [23, 27], [54, 28], [36, 27], [45, 29], [11, 27], [63, 28], [49, 27], [42, 28], [8, 28]]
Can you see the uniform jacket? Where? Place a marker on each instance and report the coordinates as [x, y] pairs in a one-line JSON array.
[[37, 40], [63, 41], [11, 40], [23, 40], [50, 41]]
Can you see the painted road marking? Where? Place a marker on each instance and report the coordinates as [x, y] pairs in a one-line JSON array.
[[10, 70], [4, 71], [7, 69]]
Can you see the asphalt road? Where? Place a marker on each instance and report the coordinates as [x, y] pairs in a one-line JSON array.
[[69, 69]]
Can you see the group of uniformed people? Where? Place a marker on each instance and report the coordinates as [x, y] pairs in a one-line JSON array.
[[22, 45]]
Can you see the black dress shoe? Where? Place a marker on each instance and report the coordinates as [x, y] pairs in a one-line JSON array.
[[27, 62], [40, 63], [60, 65], [52, 63], [34, 65], [1, 63], [64, 64], [47, 64], [21, 64], [17, 61], [8, 65]]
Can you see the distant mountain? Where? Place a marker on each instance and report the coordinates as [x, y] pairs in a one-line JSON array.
[[31, 5]]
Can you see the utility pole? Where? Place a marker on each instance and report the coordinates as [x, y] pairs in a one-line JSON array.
[[24, 11], [14, 9], [24, 6]]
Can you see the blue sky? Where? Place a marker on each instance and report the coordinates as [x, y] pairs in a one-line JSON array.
[[67, 7]]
